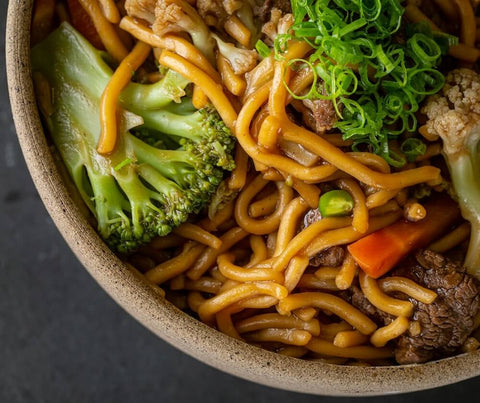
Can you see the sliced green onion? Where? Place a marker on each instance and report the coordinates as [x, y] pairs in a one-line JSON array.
[[262, 49], [336, 203], [413, 148]]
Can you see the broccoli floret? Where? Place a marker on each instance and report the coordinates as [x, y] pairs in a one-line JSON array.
[[151, 183], [454, 115]]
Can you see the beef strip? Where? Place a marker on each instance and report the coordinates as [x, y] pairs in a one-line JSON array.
[[331, 257], [264, 11], [445, 323], [319, 114]]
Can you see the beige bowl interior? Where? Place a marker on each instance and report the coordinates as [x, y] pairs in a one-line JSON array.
[[142, 301]]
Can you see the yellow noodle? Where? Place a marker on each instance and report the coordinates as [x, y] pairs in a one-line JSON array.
[[380, 198], [268, 133], [213, 305], [382, 301], [324, 347], [110, 11], [199, 99], [259, 251], [287, 336], [249, 109], [347, 235], [309, 193], [225, 323], [408, 287], [371, 160], [108, 101], [348, 164], [263, 206], [310, 281], [208, 258], [305, 314], [238, 177], [468, 24], [267, 224], [349, 338], [384, 334], [275, 320], [294, 271], [345, 276], [288, 223], [360, 208], [177, 265], [212, 90], [329, 331], [232, 82], [105, 29], [237, 30], [237, 273], [452, 239], [305, 238], [171, 42], [196, 233], [203, 284], [329, 302], [386, 208], [327, 273], [195, 300]]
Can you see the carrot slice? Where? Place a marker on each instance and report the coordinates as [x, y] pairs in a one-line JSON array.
[[380, 251]]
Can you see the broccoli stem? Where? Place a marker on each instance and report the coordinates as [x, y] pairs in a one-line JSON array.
[[465, 173]]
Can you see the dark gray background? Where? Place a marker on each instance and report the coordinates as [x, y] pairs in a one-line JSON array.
[[62, 339]]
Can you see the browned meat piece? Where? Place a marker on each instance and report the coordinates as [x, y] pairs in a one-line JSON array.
[[313, 215], [446, 323], [319, 114], [212, 8], [358, 299], [143, 9], [331, 257], [264, 11]]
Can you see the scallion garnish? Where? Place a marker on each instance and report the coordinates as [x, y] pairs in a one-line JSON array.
[[375, 75], [262, 49]]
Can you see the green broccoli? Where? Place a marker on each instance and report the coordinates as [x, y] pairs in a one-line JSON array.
[[169, 158]]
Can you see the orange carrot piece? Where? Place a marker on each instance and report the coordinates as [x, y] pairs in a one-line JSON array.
[[82, 22], [380, 251]]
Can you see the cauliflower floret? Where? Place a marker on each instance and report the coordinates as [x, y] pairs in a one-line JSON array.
[[143, 9], [241, 60], [456, 111], [454, 115], [179, 16], [278, 24]]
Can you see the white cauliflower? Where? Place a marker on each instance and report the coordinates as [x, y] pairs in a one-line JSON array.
[[454, 115]]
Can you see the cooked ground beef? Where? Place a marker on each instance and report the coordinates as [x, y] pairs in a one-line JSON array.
[[445, 323]]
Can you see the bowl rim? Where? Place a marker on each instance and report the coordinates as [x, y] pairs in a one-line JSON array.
[[142, 300]]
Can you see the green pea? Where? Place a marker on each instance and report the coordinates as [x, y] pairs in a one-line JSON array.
[[336, 203]]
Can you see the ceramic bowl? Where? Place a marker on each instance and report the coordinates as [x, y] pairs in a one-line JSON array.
[[146, 305]]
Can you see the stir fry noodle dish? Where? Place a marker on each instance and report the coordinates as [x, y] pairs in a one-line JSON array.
[[302, 175]]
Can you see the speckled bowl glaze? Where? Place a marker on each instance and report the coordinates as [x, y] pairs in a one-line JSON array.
[[145, 304]]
